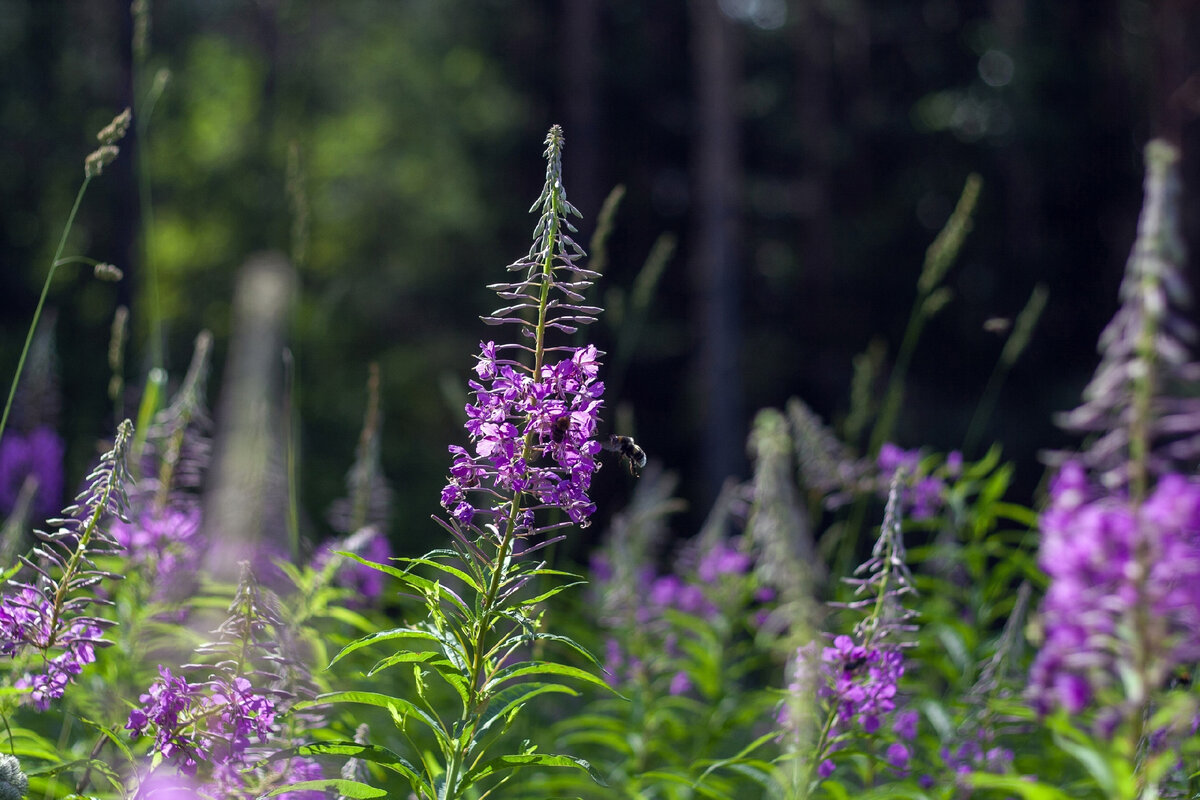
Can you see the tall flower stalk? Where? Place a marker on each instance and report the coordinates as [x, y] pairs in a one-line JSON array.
[[1120, 535], [48, 615], [93, 166], [525, 477], [857, 678]]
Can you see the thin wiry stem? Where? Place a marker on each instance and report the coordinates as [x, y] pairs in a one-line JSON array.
[[37, 312]]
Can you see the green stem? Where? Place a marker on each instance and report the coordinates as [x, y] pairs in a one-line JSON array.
[[37, 313], [487, 614]]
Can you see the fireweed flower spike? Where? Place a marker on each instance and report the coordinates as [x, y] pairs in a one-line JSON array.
[[1120, 537], [532, 427], [47, 618], [524, 475], [860, 673]]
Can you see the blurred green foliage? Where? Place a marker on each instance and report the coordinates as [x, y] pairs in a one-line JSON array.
[[415, 127]]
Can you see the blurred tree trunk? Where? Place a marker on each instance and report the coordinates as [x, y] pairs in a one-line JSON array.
[[714, 253], [813, 47], [244, 500]]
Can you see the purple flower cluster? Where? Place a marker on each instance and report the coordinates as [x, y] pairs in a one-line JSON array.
[[169, 707], [921, 495], [38, 454], [214, 722], [166, 783], [1108, 563], [859, 685], [860, 682], [303, 769], [167, 542], [27, 622], [532, 434], [978, 754], [718, 583], [366, 583]]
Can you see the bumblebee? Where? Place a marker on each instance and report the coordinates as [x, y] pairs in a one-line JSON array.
[[558, 431], [853, 665], [631, 453]]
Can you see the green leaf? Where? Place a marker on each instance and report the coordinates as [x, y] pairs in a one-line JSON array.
[[526, 668], [512, 696], [405, 657], [503, 763], [348, 617], [394, 634], [740, 758], [546, 595], [364, 752], [422, 586], [343, 787], [395, 705], [564, 640], [1030, 790], [1113, 776], [117, 740], [446, 568]]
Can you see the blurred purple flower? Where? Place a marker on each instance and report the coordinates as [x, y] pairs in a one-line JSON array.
[[366, 583], [163, 784], [1090, 551], [921, 495], [680, 683], [722, 559], [40, 454], [168, 543], [898, 755], [213, 722], [303, 769], [905, 725], [978, 755], [26, 620]]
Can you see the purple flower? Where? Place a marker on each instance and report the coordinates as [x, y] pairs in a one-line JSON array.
[[826, 768], [25, 619], [922, 495], [168, 544], [722, 559], [366, 583], [168, 707], [680, 683], [213, 722], [245, 714], [25, 622], [860, 682], [531, 434], [40, 454], [905, 725], [1090, 550], [303, 769], [898, 755]]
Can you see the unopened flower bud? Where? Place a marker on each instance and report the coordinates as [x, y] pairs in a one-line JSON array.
[[107, 272], [114, 131], [96, 161]]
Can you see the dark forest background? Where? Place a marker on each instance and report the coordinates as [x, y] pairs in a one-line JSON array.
[[801, 153]]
